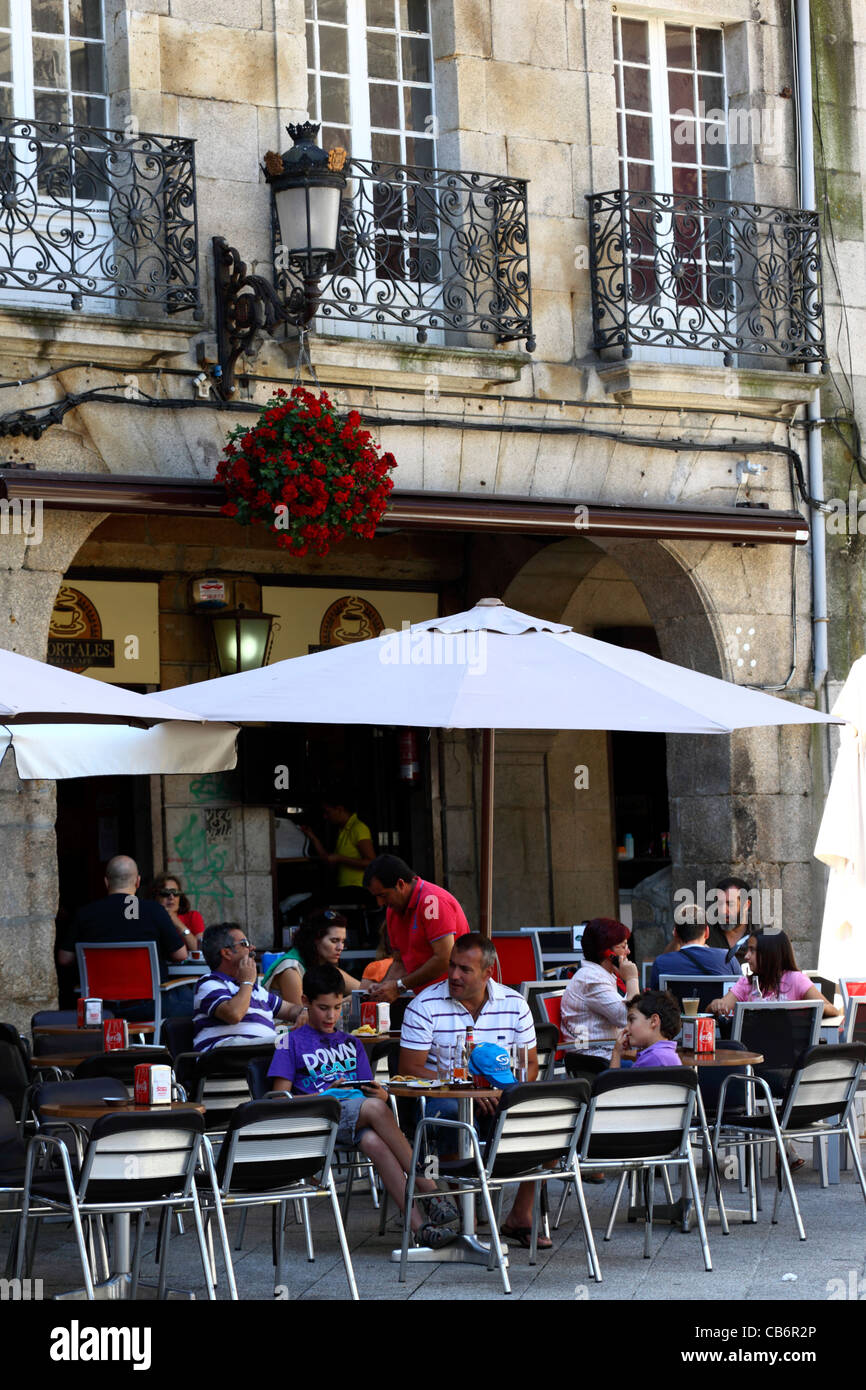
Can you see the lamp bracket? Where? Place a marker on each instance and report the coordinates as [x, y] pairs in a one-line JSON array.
[[248, 306]]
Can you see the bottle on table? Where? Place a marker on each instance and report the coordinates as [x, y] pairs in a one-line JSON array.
[[461, 1069]]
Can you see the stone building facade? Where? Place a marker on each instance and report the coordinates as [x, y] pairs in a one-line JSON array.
[[524, 89]]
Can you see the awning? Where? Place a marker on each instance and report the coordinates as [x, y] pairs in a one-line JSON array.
[[423, 511]]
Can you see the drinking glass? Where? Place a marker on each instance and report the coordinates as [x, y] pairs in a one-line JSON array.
[[445, 1063]]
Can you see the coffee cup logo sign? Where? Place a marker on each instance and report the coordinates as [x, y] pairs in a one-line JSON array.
[[75, 639], [346, 620]]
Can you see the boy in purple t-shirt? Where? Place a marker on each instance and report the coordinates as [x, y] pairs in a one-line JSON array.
[[652, 1023], [317, 1059]]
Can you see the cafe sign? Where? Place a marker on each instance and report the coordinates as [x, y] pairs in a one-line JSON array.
[[313, 620], [106, 630]]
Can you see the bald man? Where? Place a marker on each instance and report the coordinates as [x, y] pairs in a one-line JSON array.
[[122, 916]]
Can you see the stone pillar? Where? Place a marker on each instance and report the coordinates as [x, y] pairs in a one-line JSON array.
[[31, 573]]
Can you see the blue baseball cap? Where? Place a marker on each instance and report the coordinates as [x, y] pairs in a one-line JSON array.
[[493, 1062]]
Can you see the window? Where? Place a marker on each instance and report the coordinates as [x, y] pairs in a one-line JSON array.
[[370, 78], [673, 148], [52, 61], [671, 108], [370, 85]]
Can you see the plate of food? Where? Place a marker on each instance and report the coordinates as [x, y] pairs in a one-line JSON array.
[[365, 1031], [421, 1082]]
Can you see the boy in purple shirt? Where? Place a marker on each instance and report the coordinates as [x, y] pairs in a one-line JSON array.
[[652, 1023], [317, 1059]]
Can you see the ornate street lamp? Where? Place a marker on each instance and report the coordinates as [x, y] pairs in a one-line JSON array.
[[306, 184]]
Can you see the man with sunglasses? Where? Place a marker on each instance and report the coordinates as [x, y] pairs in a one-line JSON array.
[[231, 1007], [123, 916]]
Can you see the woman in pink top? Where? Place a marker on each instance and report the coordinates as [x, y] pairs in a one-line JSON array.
[[775, 976]]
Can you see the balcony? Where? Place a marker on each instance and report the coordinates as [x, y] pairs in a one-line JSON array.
[[674, 272], [426, 252], [95, 215]]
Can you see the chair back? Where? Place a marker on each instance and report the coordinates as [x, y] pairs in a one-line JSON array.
[[86, 1092], [781, 1031], [546, 1044], [121, 1063], [118, 970], [535, 1125], [705, 987], [178, 1034], [13, 1075], [48, 1044], [274, 1143], [13, 1150], [518, 958], [220, 1080], [852, 988], [552, 1004], [824, 1084], [639, 1113], [581, 1066], [824, 983], [534, 992], [855, 1021], [140, 1158]]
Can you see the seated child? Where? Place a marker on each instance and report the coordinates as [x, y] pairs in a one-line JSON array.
[[315, 1059], [653, 1021]]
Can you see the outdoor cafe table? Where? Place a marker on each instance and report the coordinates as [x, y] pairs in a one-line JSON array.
[[63, 1061], [66, 1030], [467, 1248], [117, 1285]]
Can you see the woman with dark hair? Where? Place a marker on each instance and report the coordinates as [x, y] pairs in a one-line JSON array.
[[593, 1010], [770, 957], [167, 890], [319, 940]]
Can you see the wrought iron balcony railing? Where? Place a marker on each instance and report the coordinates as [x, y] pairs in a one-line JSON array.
[[96, 215], [680, 272], [428, 250]]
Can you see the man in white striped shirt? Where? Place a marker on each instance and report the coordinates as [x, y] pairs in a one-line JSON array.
[[438, 1018]]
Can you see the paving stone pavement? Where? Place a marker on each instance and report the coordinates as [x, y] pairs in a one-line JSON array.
[[750, 1264]]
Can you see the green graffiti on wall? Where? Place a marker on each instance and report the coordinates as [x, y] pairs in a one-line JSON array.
[[203, 866]]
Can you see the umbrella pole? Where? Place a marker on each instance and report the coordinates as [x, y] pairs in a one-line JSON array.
[[486, 904]]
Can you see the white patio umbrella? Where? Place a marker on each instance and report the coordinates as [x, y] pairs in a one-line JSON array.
[[60, 724], [841, 839], [489, 668]]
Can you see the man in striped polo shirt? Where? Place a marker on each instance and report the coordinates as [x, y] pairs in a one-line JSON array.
[[438, 1018], [231, 1008]]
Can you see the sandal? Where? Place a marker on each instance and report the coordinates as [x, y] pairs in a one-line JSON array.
[[522, 1235], [441, 1209], [434, 1237]]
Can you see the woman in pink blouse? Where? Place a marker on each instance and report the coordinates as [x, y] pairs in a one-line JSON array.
[[775, 976], [593, 1009]]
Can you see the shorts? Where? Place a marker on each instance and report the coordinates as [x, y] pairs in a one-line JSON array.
[[348, 1134]]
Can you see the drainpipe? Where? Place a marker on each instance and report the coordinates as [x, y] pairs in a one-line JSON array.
[[815, 453]]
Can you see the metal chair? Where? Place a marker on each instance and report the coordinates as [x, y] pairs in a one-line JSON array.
[[121, 970], [546, 1046], [518, 958], [132, 1164], [818, 1103], [279, 1151], [706, 987], [178, 1035], [639, 1120], [535, 1125], [219, 1080], [536, 991], [781, 1030]]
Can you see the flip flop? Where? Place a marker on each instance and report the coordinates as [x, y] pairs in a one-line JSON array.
[[522, 1235]]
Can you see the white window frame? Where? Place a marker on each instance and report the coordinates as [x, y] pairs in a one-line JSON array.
[[362, 131], [24, 89], [661, 161]]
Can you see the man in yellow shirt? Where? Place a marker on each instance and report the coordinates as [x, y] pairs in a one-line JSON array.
[[354, 849]]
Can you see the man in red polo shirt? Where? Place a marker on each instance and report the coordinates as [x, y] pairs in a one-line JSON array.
[[423, 923]]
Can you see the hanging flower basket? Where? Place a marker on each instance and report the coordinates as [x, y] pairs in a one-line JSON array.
[[307, 473]]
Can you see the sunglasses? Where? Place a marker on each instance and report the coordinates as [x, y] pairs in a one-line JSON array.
[[168, 893], [236, 945]]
